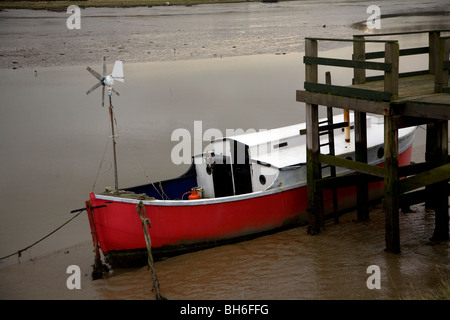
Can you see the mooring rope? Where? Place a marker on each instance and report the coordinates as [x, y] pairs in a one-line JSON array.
[[19, 253], [146, 221]]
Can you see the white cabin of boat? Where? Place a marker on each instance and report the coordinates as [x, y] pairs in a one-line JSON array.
[[275, 158]]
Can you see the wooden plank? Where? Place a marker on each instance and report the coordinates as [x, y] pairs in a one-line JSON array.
[[402, 52], [348, 91], [370, 106], [415, 168], [358, 38], [408, 88], [381, 66], [402, 121], [431, 107], [352, 179], [432, 176], [352, 165], [400, 75], [401, 33]]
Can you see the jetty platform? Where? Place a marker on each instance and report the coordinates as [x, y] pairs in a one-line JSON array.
[[418, 97]]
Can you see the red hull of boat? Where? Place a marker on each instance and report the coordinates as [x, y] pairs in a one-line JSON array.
[[175, 228]]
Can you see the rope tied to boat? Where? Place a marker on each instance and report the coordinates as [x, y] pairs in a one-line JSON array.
[[146, 222], [19, 252]]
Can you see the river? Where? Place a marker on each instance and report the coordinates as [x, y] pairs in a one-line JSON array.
[[229, 66]]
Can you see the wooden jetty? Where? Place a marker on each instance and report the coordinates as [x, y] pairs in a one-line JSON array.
[[420, 97]]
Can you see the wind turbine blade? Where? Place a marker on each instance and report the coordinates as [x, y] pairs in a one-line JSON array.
[[95, 74], [94, 87], [117, 72], [104, 66], [113, 90], [103, 96]]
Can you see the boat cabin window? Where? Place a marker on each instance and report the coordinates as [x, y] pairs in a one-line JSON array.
[[227, 173]]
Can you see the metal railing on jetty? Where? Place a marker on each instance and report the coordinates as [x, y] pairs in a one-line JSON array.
[[418, 97]]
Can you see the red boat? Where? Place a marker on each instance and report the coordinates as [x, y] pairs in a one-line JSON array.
[[247, 185]]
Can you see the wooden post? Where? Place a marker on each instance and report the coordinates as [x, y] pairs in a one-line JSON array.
[[441, 231], [439, 196], [315, 203], [430, 156], [359, 53], [332, 151], [441, 75], [433, 43], [391, 78], [391, 180], [362, 188], [391, 185]]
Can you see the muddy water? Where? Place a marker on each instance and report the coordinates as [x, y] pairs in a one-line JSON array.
[[55, 149]]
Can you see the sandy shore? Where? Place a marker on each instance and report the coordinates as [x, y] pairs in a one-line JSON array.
[[31, 38]]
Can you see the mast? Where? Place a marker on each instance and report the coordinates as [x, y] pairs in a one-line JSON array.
[[108, 81], [111, 114]]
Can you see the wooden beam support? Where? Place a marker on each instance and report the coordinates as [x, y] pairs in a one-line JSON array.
[[324, 99], [380, 66], [429, 177], [427, 107], [313, 171], [348, 91], [437, 151], [352, 165], [407, 121], [360, 120], [391, 186]]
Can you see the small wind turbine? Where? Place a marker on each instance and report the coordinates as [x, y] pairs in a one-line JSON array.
[[108, 81]]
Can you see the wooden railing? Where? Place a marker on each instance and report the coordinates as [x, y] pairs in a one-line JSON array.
[[438, 52], [390, 67]]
